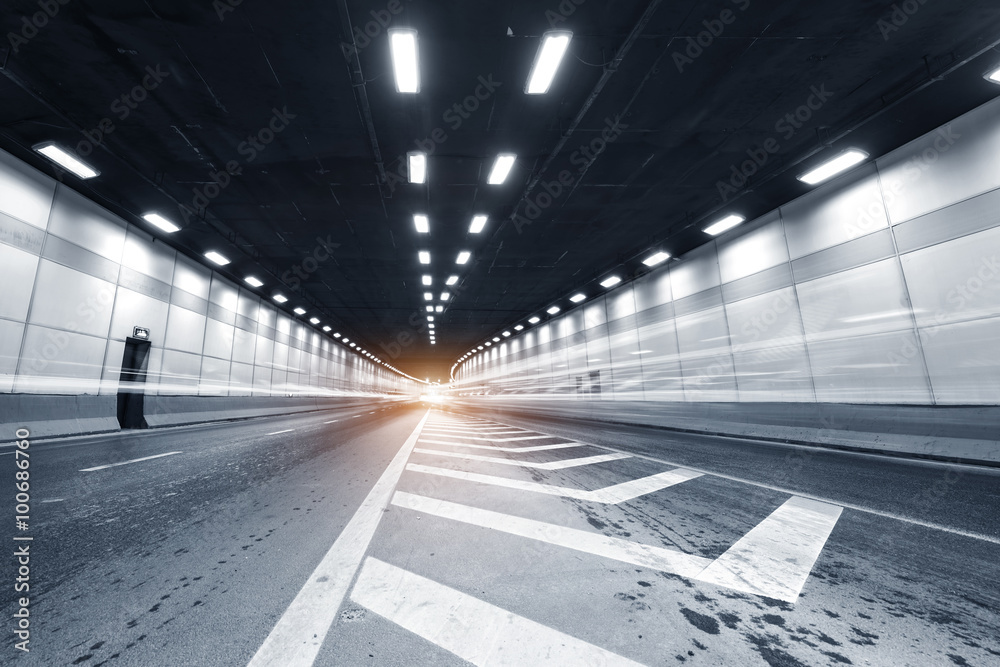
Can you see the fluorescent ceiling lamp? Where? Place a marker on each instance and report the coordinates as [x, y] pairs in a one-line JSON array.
[[656, 258], [451, 280], [430, 326], [505, 334], [433, 342], [993, 76], [553, 310], [299, 311], [66, 160], [480, 347], [336, 335], [426, 279], [326, 329], [430, 318], [445, 296], [421, 223], [519, 327], [353, 345], [463, 257], [428, 296], [251, 280], [837, 165], [724, 225], [488, 343], [403, 46], [219, 259], [550, 54], [501, 168], [425, 257], [496, 339], [439, 309], [534, 320], [610, 281], [478, 222], [346, 340], [314, 320], [416, 166], [158, 220], [577, 298], [280, 298]]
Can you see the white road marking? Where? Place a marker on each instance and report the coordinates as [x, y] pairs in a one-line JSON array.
[[355, 416], [471, 437], [475, 432], [287, 430], [144, 458], [330, 422], [297, 637], [643, 555], [536, 448], [611, 494], [474, 630], [550, 465], [775, 558]]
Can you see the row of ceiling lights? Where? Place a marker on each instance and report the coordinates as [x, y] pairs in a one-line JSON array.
[[72, 163], [835, 166], [405, 59]]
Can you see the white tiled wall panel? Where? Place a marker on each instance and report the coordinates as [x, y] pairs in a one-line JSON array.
[[17, 275], [25, 194], [846, 332]]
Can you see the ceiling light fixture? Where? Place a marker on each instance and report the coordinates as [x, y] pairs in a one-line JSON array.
[[439, 309], [993, 76], [426, 279], [445, 296], [428, 296], [159, 221], [280, 298], [66, 160], [506, 334], [218, 258], [550, 54], [831, 168], [577, 298], [430, 309], [656, 258], [724, 225], [534, 320], [299, 311], [416, 166], [451, 280], [501, 168], [478, 222], [403, 47], [314, 320], [610, 281], [463, 257], [421, 223], [553, 310], [519, 327], [252, 280], [326, 329], [424, 256]]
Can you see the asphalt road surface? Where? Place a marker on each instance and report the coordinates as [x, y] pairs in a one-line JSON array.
[[416, 535]]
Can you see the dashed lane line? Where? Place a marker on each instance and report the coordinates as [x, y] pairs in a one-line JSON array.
[[287, 430], [612, 494], [549, 465], [123, 463], [476, 631]]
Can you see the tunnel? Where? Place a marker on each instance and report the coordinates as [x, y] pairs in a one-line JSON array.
[[561, 333]]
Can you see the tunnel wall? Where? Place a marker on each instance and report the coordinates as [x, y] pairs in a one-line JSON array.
[[76, 279], [880, 287]]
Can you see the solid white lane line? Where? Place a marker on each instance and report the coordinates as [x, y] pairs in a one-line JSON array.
[[612, 494], [287, 430], [123, 463], [297, 637], [643, 555], [549, 465], [536, 448], [775, 558], [474, 630]]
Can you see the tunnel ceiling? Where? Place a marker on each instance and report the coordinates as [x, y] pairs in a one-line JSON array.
[[323, 211]]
